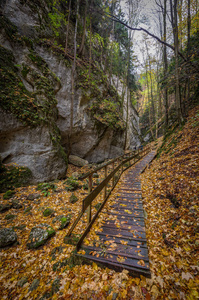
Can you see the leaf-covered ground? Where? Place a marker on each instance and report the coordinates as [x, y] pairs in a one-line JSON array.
[[170, 197]]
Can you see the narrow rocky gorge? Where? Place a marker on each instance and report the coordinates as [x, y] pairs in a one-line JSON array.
[[36, 100]]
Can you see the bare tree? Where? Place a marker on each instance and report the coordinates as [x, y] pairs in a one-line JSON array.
[[174, 23], [73, 70], [80, 51], [67, 29]]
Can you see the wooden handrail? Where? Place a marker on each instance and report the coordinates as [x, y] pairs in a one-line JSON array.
[[86, 203], [104, 165]]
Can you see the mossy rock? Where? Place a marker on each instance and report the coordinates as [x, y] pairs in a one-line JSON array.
[[85, 186], [39, 235], [22, 281], [34, 285], [28, 209], [72, 240], [7, 237], [13, 177], [48, 212], [5, 207], [64, 221], [10, 217], [9, 194], [16, 204], [72, 184], [73, 198], [33, 196]]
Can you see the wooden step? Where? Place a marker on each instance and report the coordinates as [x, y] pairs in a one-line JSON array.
[[122, 242]]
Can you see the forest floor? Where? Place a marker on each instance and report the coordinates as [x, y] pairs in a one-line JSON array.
[[170, 188]]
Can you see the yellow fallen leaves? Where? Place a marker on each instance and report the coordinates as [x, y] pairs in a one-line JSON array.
[[171, 237], [128, 211], [141, 263], [124, 242], [120, 259], [169, 198]]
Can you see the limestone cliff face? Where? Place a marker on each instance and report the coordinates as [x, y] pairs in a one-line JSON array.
[[36, 97]]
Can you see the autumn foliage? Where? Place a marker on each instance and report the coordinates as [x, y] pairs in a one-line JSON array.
[[170, 198]]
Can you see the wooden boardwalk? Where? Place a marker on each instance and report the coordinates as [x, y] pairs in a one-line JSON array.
[[122, 243]]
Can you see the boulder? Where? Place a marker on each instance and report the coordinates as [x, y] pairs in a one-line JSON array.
[[34, 285], [30, 147], [39, 235], [22, 281], [77, 161], [34, 196], [73, 199], [7, 237], [5, 207], [16, 204], [48, 212], [63, 221]]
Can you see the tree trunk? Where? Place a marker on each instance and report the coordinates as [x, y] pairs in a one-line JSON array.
[[67, 29], [188, 50], [84, 31], [73, 71], [174, 18], [90, 48], [165, 65]]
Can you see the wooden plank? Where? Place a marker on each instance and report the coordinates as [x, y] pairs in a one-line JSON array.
[[117, 234], [126, 261], [124, 227], [127, 222], [118, 267], [127, 233], [132, 215], [134, 243], [129, 252]]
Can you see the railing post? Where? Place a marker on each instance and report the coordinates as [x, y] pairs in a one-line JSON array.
[[105, 188], [113, 164], [90, 185]]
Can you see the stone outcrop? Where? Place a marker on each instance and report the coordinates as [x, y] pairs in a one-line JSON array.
[[39, 235], [7, 237], [47, 77], [77, 161], [30, 147]]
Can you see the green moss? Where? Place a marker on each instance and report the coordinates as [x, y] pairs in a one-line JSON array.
[[72, 184], [73, 198], [107, 112], [48, 212], [25, 71], [51, 231], [46, 187], [28, 209], [14, 97], [10, 29], [106, 107], [13, 177], [10, 217], [31, 109], [9, 194]]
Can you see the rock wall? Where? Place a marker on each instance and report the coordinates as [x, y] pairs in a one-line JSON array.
[[47, 77]]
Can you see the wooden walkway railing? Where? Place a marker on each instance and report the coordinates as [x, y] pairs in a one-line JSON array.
[[122, 163]]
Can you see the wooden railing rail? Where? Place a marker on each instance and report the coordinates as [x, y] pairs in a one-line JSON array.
[[107, 164], [87, 202]]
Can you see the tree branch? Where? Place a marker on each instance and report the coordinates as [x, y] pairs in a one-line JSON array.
[[114, 18]]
